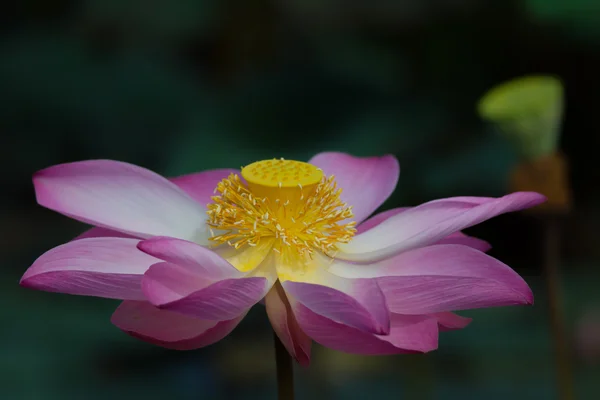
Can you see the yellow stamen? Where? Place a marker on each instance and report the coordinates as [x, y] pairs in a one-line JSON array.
[[288, 203]]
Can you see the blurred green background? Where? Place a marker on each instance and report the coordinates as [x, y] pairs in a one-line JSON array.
[[181, 86]]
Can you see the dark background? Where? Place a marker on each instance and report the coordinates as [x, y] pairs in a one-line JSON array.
[[181, 86]]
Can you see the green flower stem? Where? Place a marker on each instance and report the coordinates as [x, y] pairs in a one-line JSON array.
[[285, 371]]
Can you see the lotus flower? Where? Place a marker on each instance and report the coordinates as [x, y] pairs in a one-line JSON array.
[[191, 255]]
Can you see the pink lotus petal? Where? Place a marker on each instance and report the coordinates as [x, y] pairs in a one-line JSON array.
[[169, 329], [358, 303], [104, 267], [442, 278], [453, 238], [430, 223], [165, 282], [103, 232], [121, 196], [408, 334], [448, 321], [191, 256], [366, 182], [378, 218], [197, 281], [201, 185], [465, 240], [284, 323], [176, 288]]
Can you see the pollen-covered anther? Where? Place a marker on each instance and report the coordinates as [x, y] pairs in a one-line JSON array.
[[289, 202]]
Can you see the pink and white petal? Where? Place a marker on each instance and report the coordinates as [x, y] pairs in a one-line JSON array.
[[255, 260], [408, 334], [173, 287], [429, 223], [358, 303], [191, 256], [449, 321], [366, 182], [286, 327], [200, 186], [442, 278], [103, 267], [166, 282], [121, 196], [465, 240], [169, 329], [103, 232], [378, 218], [453, 238]]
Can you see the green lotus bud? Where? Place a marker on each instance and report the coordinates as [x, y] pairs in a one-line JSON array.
[[528, 112]]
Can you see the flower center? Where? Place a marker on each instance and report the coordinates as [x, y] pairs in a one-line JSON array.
[[287, 202]]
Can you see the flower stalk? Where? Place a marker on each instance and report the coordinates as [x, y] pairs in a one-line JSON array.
[[285, 371]]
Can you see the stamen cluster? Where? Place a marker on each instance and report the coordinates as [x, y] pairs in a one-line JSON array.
[[313, 224]]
